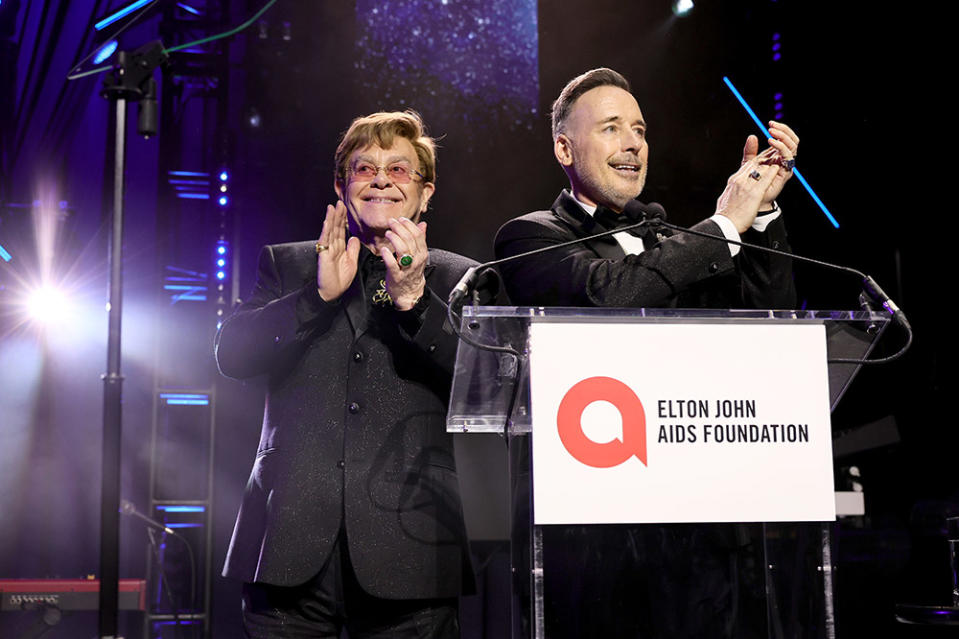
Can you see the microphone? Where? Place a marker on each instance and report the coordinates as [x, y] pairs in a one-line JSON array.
[[653, 214], [127, 508], [870, 288], [466, 283]]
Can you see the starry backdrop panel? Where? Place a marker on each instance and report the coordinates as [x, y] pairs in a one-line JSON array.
[[475, 60]]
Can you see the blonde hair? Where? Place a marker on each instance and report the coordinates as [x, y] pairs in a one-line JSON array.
[[380, 129]]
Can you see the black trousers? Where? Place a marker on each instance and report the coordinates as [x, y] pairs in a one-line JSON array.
[[333, 601]]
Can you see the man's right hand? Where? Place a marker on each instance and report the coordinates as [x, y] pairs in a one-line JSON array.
[[745, 190], [336, 263]]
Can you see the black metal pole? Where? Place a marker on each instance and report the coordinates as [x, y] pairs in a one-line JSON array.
[[112, 395], [131, 81]]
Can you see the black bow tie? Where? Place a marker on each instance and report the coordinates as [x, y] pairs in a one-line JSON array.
[[611, 220]]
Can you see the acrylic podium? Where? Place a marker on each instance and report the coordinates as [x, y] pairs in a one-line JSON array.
[[662, 574]]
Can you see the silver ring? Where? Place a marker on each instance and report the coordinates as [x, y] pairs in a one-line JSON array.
[[755, 174]]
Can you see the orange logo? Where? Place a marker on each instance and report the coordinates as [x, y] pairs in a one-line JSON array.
[[615, 452]]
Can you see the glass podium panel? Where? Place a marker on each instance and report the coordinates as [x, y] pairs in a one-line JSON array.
[[763, 580]]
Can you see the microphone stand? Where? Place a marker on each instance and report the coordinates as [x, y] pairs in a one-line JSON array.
[[131, 81]]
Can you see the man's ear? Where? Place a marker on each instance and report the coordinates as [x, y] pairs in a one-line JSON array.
[[428, 189], [563, 150], [338, 187]]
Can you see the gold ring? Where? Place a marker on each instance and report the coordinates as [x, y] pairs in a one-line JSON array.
[[321, 247]]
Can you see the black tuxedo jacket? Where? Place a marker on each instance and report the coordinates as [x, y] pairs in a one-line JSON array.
[[681, 270], [354, 433]]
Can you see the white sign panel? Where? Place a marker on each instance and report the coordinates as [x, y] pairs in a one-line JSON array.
[[656, 423]]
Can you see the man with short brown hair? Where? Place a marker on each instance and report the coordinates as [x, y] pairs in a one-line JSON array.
[[600, 140], [676, 581]]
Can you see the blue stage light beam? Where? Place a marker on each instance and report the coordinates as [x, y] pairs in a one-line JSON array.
[[185, 399], [188, 8], [122, 13], [799, 176], [182, 509], [105, 52], [4, 254], [189, 173]]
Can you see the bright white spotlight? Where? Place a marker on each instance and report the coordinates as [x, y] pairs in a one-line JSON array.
[[682, 7], [48, 305]]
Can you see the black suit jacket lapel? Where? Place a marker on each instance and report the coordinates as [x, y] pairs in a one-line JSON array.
[[583, 225], [355, 304]]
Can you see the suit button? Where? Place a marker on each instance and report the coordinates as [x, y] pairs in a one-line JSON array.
[[341, 464], [276, 339], [354, 408], [431, 348], [776, 244], [713, 267], [357, 356]]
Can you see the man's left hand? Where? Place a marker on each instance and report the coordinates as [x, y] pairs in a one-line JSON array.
[[405, 284], [785, 141]]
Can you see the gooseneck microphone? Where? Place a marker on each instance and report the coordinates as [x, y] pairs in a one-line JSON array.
[[869, 286], [653, 215]]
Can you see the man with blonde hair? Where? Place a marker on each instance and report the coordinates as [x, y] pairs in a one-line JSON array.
[[352, 517]]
